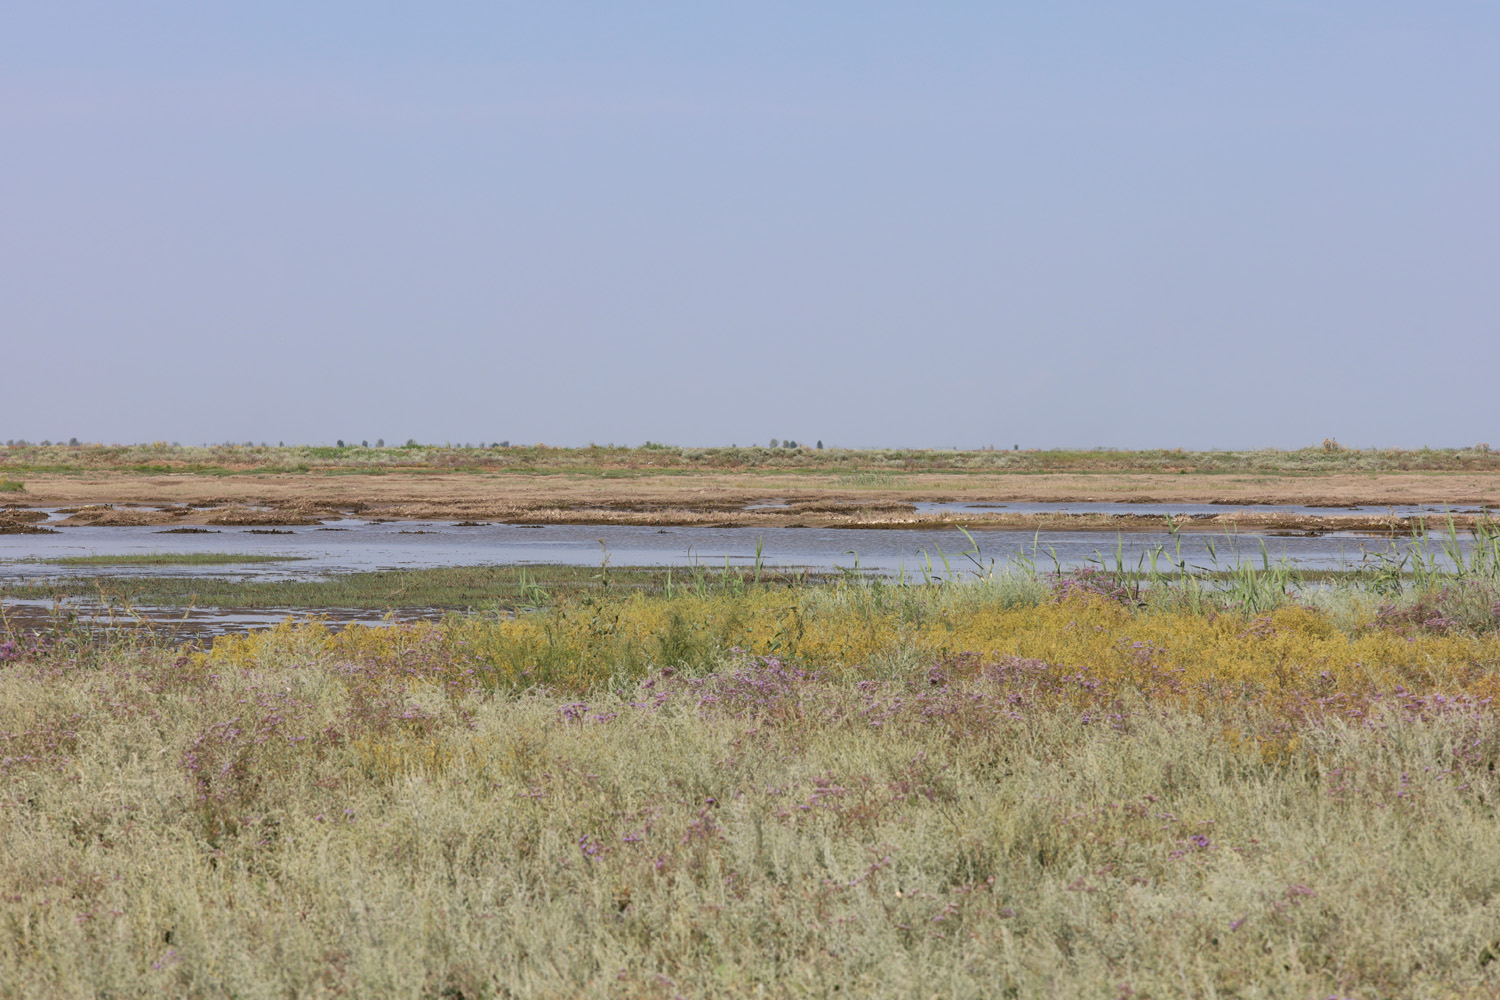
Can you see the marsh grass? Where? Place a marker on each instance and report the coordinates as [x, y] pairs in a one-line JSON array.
[[12, 486], [1012, 783], [1433, 562], [304, 819], [1442, 572], [995, 782], [455, 587], [868, 480]]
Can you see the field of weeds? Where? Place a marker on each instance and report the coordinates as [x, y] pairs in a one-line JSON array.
[[1044, 787], [18, 458]]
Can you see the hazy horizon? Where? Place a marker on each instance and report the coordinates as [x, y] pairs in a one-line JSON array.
[[819, 445], [1064, 225]]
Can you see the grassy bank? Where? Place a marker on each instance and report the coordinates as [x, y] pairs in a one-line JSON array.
[[853, 790], [869, 468]]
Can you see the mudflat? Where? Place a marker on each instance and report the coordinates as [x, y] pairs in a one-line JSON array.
[[821, 499]]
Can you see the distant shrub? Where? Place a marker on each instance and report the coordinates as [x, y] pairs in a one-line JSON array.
[[11, 486]]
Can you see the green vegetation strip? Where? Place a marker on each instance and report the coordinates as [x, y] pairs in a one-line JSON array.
[[456, 587]]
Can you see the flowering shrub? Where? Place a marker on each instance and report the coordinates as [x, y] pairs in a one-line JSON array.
[[579, 649]]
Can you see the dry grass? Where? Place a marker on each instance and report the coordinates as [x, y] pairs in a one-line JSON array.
[[973, 796], [862, 467]]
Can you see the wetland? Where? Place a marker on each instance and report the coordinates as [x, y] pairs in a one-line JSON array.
[[234, 535], [869, 717]]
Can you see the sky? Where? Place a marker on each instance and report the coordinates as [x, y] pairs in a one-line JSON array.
[[915, 225]]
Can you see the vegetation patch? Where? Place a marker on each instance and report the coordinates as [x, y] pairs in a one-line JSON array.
[[851, 630], [781, 791], [454, 587], [1101, 782], [487, 457], [246, 517]]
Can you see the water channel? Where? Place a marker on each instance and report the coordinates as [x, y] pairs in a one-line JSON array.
[[355, 545]]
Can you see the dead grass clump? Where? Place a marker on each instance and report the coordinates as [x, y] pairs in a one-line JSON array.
[[24, 528], [246, 517], [20, 521], [113, 517]]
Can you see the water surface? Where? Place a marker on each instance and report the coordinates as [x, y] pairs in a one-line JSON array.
[[353, 545]]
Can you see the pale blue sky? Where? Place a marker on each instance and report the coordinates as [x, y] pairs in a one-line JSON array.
[[1046, 223]]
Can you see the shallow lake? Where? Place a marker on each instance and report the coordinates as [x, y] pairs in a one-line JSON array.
[[356, 545]]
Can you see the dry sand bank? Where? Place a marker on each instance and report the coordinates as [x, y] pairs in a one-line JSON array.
[[812, 500]]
